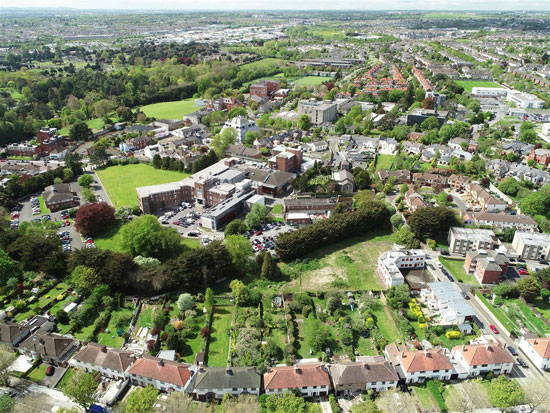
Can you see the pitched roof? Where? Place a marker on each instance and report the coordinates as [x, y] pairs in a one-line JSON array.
[[49, 344], [291, 377], [226, 378], [10, 332], [164, 370], [541, 346], [429, 360], [361, 372], [482, 354], [106, 357]]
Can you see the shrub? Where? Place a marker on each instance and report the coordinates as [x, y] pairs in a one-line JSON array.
[[453, 335], [205, 332]]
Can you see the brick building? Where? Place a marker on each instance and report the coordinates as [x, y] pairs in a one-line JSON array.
[[486, 266], [265, 88]]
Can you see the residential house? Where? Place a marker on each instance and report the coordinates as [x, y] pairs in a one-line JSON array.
[[484, 199], [391, 262], [371, 373], [540, 156], [447, 300], [244, 152], [401, 175], [344, 181], [524, 172], [110, 362], [215, 382], [465, 239], [310, 379], [13, 334], [419, 366], [458, 182], [412, 148], [59, 196], [502, 221], [498, 167], [531, 245], [428, 179], [164, 375], [318, 146], [487, 266], [538, 351], [481, 359], [458, 143], [387, 146], [414, 200], [51, 348]]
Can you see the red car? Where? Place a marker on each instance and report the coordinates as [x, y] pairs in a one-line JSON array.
[[50, 371], [493, 328], [523, 272], [176, 223], [258, 233]]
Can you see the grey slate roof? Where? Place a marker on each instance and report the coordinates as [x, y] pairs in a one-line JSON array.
[[226, 378]]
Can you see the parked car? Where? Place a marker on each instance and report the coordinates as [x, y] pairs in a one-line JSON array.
[[523, 272], [522, 363], [543, 261], [444, 252], [512, 351], [259, 232], [466, 296], [50, 371], [493, 328]]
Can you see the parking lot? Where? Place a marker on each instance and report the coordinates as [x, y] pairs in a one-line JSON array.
[[265, 238]]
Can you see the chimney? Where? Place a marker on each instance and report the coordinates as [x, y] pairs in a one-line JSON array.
[[104, 349], [297, 369], [367, 367], [228, 371], [161, 363]]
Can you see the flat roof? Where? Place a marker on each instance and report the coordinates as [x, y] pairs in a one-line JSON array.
[[533, 237], [473, 233]]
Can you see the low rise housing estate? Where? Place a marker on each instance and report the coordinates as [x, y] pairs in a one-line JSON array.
[[215, 382], [164, 375], [369, 373], [502, 221], [419, 366], [110, 362]]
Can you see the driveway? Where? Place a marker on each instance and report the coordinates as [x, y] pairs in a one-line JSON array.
[[459, 202], [51, 381]]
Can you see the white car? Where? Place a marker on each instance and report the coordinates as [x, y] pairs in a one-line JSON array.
[[439, 265]]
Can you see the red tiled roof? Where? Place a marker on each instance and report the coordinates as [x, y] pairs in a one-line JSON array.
[[541, 346], [291, 377], [484, 354], [431, 360], [163, 370]]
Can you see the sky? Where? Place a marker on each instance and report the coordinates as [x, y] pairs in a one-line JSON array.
[[492, 5]]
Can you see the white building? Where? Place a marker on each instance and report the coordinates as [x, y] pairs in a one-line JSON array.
[[464, 239], [242, 126], [546, 129], [390, 263], [445, 298], [538, 351], [483, 358], [489, 91], [525, 100], [318, 112], [532, 245], [502, 221]]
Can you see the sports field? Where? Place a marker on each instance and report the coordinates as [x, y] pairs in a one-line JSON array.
[[121, 182], [278, 76], [469, 84], [170, 110], [310, 80], [263, 63]]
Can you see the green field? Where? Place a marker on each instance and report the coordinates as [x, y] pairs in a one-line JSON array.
[[310, 80], [121, 182], [384, 161], [170, 110], [112, 339], [469, 84], [94, 124], [456, 268], [43, 209], [263, 63]]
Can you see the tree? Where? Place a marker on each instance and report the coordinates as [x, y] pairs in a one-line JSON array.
[[141, 400], [432, 221], [241, 252], [8, 267], [185, 302], [268, 267], [430, 123], [235, 227], [243, 404], [317, 335], [367, 406], [239, 111], [7, 403], [251, 136], [124, 213], [288, 402], [529, 288], [362, 178], [396, 220], [505, 393], [240, 292], [88, 195], [67, 174], [145, 236], [80, 131], [82, 389], [304, 123], [85, 279], [85, 181], [398, 297], [7, 357], [272, 349], [93, 219], [227, 137], [509, 186], [257, 214], [209, 299], [537, 202], [443, 199]]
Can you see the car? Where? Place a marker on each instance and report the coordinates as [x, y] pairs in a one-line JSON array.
[[259, 232], [522, 363], [444, 252], [494, 328], [450, 277], [512, 351], [50, 371], [521, 260], [439, 265], [512, 259], [523, 272], [543, 261], [466, 296]]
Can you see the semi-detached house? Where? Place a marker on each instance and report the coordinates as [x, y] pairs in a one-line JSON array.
[[483, 358], [215, 382], [164, 375], [538, 351], [310, 379], [370, 373], [110, 362]]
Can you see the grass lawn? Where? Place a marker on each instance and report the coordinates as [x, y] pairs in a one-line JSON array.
[[431, 386], [529, 318], [278, 76], [365, 347], [110, 239], [425, 397], [384, 161], [13, 92], [473, 390], [277, 209], [38, 373], [121, 182], [264, 63], [20, 158], [65, 379], [219, 337], [349, 264], [456, 268], [43, 209], [170, 110], [190, 242], [386, 324], [112, 339], [310, 80], [85, 332], [94, 124], [500, 315], [145, 318], [469, 84]]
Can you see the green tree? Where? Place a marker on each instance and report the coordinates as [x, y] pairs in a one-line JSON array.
[[537, 202], [396, 220], [221, 141], [145, 236], [239, 111], [430, 123], [82, 389], [304, 123], [8, 267], [288, 402], [7, 357], [317, 335], [235, 227], [80, 131], [240, 292], [141, 400], [85, 279], [509, 186], [362, 178], [185, 302], [7, 404], [432, 221], [505, 393], [85, 181], [398, 297], [88, 195], [268, 267], [209, 299], [257, 214], [241, 252], [529, 288]]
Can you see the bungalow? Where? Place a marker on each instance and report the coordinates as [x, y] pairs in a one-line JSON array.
[[310, 379], [162, 374], [110, 362], [538, 351], [318, 146], [483, 358], [371, 373], [13, 334], [419, 366], [215, 382], [51, 348]]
